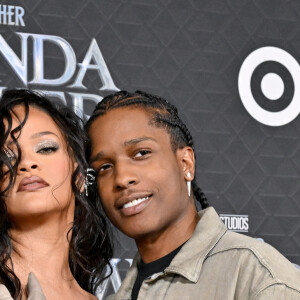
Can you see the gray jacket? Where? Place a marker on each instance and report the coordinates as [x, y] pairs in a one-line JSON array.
[[218, 264], [35, 291]]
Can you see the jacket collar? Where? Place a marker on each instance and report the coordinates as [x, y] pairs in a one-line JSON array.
[[188, 262], [209, 230]]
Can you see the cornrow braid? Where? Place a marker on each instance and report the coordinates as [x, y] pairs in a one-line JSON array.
[[165, 115]]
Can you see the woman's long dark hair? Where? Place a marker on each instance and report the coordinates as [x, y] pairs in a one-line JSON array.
[[165, 115], [90, 247]]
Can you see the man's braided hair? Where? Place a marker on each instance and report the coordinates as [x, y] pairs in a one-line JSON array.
[[165, 115]]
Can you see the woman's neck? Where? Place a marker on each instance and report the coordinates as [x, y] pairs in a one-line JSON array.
[[42, 247]]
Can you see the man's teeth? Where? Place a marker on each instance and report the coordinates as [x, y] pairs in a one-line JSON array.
[[135, 202]]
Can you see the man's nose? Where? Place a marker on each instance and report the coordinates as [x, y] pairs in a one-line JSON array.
[[125, 175]]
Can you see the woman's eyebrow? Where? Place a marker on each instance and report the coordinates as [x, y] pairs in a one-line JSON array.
[[34, 136], [42, 133]]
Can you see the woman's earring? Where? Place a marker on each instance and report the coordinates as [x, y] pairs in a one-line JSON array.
[[189, 183], [89, 179]]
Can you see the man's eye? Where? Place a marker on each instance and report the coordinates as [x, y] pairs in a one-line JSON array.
[[142, 153], [103, 168]]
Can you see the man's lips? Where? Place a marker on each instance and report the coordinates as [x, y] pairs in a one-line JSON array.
[[31, 184], [132, 199]]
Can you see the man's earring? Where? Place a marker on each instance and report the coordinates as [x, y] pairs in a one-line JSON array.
[[189, 183]]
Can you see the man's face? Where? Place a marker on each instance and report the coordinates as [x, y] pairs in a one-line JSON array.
[[140, 179]]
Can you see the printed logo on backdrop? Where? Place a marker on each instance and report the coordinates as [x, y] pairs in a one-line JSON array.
[[238, 223], [112, 284], [11, 15], [269, 86], [92, 61]]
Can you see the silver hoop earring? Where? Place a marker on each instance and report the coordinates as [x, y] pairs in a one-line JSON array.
[[189, 183]]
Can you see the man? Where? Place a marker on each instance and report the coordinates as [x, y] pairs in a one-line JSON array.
[[144, 160]]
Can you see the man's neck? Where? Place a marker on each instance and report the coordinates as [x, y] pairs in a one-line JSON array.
[[157, 245]]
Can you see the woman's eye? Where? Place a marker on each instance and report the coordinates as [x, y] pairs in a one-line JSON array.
[[12, 159], [47, 150], [46, 147], [10, 155], [142, 153]]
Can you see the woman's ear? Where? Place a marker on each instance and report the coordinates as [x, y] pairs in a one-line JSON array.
[[80, 182], [80, 178], [186, 159]]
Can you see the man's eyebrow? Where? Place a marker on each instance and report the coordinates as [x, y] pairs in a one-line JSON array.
[[42, 133], [96, 157], [101, 154], [138, 140]]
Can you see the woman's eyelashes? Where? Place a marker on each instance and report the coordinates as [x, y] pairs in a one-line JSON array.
[[46, 147]]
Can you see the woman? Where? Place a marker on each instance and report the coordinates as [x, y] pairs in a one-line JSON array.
[[47, 226]]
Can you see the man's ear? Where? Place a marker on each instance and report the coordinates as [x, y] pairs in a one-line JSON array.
[[186, 159]]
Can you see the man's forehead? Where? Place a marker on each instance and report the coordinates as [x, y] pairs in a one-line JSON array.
[[124, 124], [122, 112]]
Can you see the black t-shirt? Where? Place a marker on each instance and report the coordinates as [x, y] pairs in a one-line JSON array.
[[146, 270]]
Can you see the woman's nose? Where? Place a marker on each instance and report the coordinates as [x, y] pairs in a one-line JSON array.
[[27, 163]]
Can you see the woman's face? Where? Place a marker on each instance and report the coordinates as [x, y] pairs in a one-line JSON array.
[[43, 179]]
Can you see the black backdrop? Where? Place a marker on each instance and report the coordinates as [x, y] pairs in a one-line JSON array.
[[190, 52]]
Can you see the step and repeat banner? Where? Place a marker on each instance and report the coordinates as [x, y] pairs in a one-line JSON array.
[[231, 67]]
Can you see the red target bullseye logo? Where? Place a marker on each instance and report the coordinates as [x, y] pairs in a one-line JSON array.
[[274, 104]]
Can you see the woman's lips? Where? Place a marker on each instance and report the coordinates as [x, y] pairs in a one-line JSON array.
[[32, 183]]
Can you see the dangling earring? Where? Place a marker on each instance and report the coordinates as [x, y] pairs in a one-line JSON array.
[[89, 179], [189, 183]]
